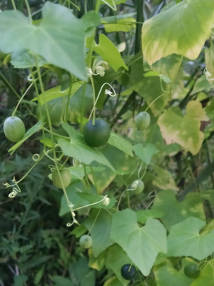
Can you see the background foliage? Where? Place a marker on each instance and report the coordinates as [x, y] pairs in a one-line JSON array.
[[62, 59]]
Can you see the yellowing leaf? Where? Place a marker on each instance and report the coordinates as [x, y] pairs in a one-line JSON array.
[[184, 129], [181, 29]]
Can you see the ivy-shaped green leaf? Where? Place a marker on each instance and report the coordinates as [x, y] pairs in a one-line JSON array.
[[121, 143], [142, 244], [77, 148], [185, 239], [171, 211], [99, 224], [145, 152], [58, 38], [115, 259]]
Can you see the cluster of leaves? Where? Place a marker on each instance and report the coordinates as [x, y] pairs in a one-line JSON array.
[[145, 198]]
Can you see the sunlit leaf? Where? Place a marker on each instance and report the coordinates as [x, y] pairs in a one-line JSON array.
[[58, 38], [181, 29]]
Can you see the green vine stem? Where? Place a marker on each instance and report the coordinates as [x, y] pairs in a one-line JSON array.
[[33, 166], [140, 19], [28, 10], [7, 83], [69, 203], [93, 111], [21, 98], [13, 4], [94, 101]]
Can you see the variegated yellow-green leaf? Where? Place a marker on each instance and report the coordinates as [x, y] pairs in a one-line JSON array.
[[181, 29], [184, 129]]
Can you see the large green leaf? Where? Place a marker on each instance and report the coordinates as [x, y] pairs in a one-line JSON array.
[[153, 91], [58, 38], [99, 223], [120, 143], [79, 150], [185, 240], [57, 92], [79, 196], [145, 152], [142, 244], [181, 29], [115, 259], [122, 163], [107, 50], [23, 59], [80, 273], [171, 211], [183, 129]]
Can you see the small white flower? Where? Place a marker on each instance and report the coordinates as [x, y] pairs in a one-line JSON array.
[[106, 200]]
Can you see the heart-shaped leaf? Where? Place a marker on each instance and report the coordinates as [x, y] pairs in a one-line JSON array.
[[77, 148], [142, 244], [58, 38]]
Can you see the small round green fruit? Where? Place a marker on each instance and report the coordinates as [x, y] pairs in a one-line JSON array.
[[138, 186], [62, 180], [85, 241], [14, 128], [96, 134], [192, 270]]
